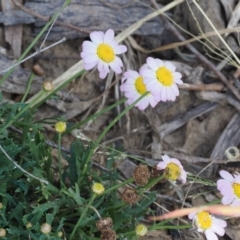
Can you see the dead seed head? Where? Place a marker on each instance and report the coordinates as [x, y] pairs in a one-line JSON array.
[[37, 70], [108, 235], [104, 224], [130, 195], [155, 173], [141, 175]]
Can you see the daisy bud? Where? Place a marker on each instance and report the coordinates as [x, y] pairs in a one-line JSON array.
[[104, 224], [2, 232], [60, 127], [208, 224], [108, 235], [98, 188], [141, 175], [28, 225], [141, 230], [46, 228], [47, 86], [130, 195], [60, 234], [1, 205]]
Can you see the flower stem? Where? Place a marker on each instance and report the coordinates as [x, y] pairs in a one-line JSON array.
[[28, 86], [82, 216], [108, 128], [59, 157], [94, 115]]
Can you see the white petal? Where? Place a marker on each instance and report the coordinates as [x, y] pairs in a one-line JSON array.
[[109, 36], [226, 175], [97, 37], [89, 66], [164, 94], [90, 59], [227, 200], [161, 165], [166, 158], [210, 235], [116, 66], [170, 66], [120, 49], [152, 63]]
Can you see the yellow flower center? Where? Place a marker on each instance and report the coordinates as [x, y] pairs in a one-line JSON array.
[[236, 189], [140, 85], [164, 76], [204, 220], [172, 171], [141, 230], [60, 127], [98, 188], [105, 53]]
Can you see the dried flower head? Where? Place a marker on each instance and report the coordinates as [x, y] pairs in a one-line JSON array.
[[108, 235], [141, 230], [130, 195], [37, 70], [155, 173], [104, 224], [46, 228], [141, 175], [60, 127], [208, 224], [102, 52], [229, 187], [98, 188], [2, 232]]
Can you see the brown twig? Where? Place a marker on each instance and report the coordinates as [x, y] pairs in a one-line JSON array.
[[201, 57], [35, 14]]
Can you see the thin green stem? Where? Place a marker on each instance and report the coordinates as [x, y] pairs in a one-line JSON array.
[[156, 227], [59, 157], [95, 115], [101, 136], [83, 215], [35, 41], [28, 86], [130, 180], [18, 115]]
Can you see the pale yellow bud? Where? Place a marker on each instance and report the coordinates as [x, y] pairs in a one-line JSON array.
[[46, 228]]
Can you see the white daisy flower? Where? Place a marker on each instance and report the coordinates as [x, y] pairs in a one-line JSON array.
[[161, 79], [134, 87], [208, 224], [229, 187], [101, 52], [173, 169]]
